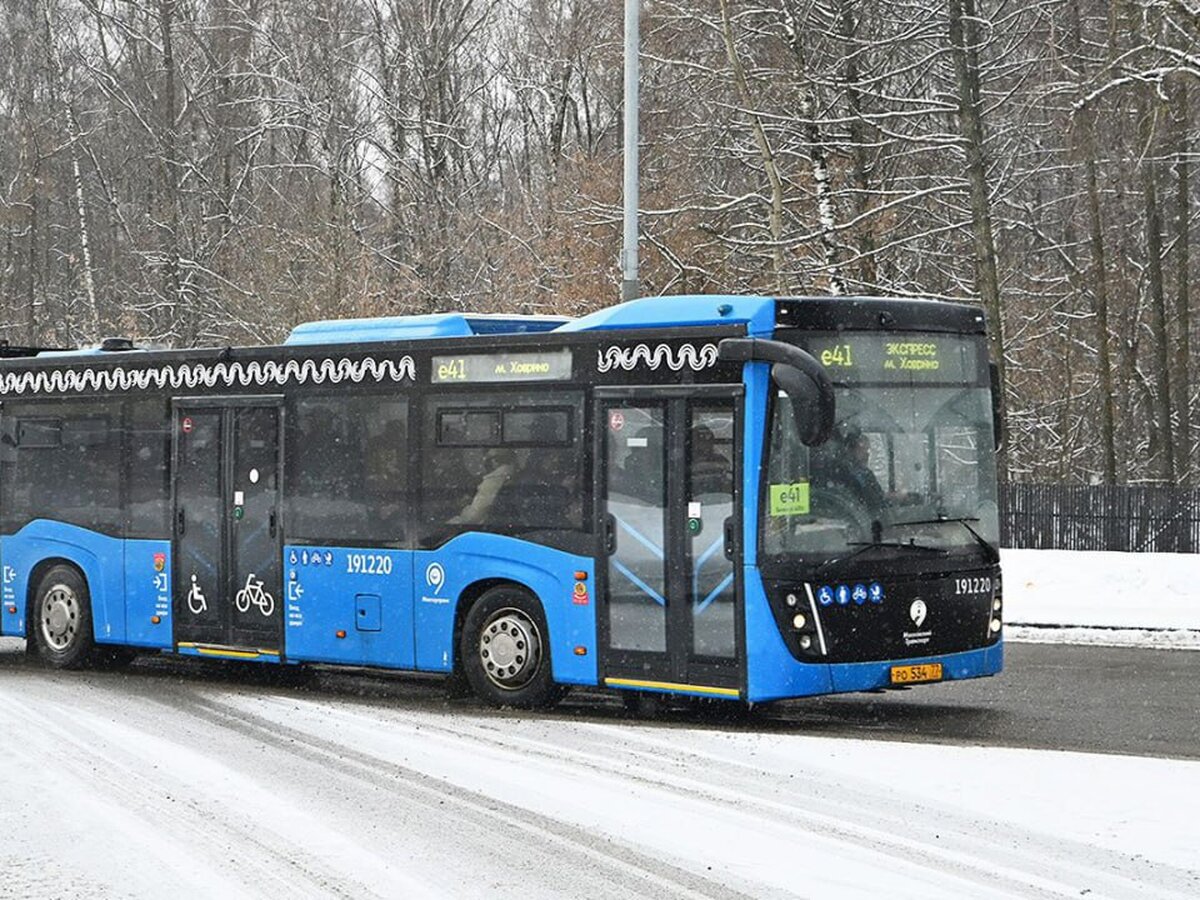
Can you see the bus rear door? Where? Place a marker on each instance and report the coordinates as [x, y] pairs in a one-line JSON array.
[[227, 559], [668, 502]]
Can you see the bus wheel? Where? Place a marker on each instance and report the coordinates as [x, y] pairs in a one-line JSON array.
[[61, 623], [504, 651]]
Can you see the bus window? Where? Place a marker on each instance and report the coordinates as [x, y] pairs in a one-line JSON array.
[[70, 463], [509, 468], [347, 469], [148, 437]]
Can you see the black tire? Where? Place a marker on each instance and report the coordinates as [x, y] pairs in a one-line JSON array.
[[112, 659], [643, 704], [60, 619], [505, 653]]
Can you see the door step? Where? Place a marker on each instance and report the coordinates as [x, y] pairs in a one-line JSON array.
[[189, 648], [672, 687]]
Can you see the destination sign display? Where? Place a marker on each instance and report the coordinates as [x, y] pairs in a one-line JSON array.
[[481, 368], [906, 357]]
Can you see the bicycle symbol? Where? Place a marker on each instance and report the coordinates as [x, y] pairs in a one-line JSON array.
[[195, 599], [253, 593]]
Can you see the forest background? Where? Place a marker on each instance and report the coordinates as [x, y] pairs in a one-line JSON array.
[[207, 172]]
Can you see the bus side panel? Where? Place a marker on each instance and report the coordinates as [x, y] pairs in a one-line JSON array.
[[12, 613], [364, 595], [441, 576], [148, 593], [771, 670], [101, 559]]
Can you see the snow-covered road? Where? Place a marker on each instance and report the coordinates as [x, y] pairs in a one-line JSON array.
[[143, 786]]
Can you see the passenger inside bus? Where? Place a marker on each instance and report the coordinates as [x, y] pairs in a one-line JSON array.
[[500, 465]]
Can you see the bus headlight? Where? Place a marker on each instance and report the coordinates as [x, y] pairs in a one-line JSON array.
[[798, 621], [805, 642], [995, 626]]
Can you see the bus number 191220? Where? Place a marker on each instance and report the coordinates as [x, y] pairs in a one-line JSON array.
[[368, 564]]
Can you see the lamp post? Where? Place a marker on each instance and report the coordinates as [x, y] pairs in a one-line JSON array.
[[629, 249]]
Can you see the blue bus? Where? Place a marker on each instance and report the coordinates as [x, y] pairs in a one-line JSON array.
[[747, 498]]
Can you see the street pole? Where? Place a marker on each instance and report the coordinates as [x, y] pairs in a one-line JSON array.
[[629, 249]]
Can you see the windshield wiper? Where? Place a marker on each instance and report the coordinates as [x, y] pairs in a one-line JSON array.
[[861, 547], [992, 554]]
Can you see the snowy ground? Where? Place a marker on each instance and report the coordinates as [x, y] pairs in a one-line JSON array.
[[218, 790], [157, 784], [1116, 599]]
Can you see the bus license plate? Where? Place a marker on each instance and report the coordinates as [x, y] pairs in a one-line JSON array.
[[916, 674]]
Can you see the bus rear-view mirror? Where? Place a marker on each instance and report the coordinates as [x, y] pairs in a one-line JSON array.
[[798, 375], [805, 398]]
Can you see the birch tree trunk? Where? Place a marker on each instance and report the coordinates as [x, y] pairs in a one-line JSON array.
[[826, 214], [74, 134]]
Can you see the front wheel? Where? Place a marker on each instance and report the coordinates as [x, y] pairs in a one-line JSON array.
[[61, 624], [505, 653]]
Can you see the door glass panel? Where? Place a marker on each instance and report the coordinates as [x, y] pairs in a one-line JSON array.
[[710, 473], [199, 586], [635, 469], [252, 499]]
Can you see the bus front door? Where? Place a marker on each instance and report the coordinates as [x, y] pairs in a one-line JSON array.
[[227, 560], [668, 507]]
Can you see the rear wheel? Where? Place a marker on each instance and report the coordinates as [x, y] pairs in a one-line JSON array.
[[61, 623], [505, 654]]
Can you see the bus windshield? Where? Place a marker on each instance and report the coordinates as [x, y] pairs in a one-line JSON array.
[[910, 466]]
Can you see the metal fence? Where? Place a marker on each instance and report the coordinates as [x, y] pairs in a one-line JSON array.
[[1100, 517]]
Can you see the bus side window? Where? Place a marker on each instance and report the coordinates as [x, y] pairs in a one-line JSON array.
[[65, 467], [508, 468], [347, 472], [148, 437]]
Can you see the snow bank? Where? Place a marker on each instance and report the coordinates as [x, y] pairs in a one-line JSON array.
[[1111, 599], [1113, 590]]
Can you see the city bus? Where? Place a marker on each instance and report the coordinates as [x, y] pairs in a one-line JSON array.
[[746, 498]]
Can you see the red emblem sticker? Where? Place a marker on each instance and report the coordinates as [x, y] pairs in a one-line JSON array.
[[616, 420], [581, 595], [186, 424], [160, 561]]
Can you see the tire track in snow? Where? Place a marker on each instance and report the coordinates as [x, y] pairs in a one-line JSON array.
[[1017, 864], [86, 750], [630, 871], [31, 877], [1026, 864]]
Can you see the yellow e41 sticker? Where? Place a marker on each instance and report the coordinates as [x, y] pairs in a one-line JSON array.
[[789, 499]]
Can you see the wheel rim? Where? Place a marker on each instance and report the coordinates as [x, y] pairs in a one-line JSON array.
[[510, 649], [60, 616]]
